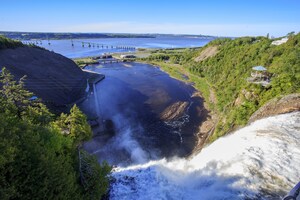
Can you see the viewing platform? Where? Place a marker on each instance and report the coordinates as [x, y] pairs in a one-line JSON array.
[[259, 76]]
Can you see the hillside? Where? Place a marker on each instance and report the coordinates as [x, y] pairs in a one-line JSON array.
[[222, 75], [52, 77]]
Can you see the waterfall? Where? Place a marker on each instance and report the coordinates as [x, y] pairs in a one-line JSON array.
[[260, 161]]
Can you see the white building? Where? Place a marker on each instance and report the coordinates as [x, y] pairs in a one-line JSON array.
[[281, 41]]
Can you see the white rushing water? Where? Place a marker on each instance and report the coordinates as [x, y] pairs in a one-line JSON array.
[[260, 161]]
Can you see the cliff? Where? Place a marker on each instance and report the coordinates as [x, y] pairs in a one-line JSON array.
[[281, 105], [52, 77]]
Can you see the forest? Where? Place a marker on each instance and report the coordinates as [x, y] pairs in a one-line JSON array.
[[40, 151]]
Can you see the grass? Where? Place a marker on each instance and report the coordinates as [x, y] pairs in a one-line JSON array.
[[140, 53], [6, 43], [82, 62], [179, 72]]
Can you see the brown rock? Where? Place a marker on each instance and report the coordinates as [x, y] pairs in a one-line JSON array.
[[174, 111]]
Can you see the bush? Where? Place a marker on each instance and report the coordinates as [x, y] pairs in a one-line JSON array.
[[6, 43]]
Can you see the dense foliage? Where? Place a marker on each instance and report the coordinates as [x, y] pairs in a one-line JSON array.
[[225, 74], [39, 158]]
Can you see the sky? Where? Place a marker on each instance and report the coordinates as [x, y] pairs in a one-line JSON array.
[[209, 17]]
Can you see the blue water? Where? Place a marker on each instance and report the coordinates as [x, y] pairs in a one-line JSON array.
[[65, 47], [133, 97]]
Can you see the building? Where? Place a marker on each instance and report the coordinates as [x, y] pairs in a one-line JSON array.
[[259, 75], [281, 41]]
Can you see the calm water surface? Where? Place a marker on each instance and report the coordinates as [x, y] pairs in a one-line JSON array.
[[65, 47]]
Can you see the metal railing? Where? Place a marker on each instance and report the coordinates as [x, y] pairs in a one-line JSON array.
[[293, 194]]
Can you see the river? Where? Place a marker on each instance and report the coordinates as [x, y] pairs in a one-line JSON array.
[[146, 113], [152, 115], [65, 47]]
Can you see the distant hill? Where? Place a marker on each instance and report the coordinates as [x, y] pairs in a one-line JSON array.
[[52, 77], [59, 36]]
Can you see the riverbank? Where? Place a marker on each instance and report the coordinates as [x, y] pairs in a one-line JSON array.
[[82, 62], [204, 91]]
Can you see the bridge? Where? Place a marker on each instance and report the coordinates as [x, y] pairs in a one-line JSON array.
[[84, 44], [103, 46]]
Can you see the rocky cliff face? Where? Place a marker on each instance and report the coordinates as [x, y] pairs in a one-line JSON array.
[[277, 106], [52, 77]]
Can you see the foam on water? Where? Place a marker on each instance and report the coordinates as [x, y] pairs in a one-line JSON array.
[[259, 161]]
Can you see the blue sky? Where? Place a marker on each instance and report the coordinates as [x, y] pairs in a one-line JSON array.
[[212, 17]]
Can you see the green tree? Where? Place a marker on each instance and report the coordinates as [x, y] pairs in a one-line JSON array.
[[291, 33], [74, 126], [16, 99], [37, 160], [80, 130], [94, 177]]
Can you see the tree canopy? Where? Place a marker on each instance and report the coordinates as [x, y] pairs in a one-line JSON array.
[[38, 159]]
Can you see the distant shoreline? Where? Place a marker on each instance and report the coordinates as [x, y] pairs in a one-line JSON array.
[[63, 36]]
